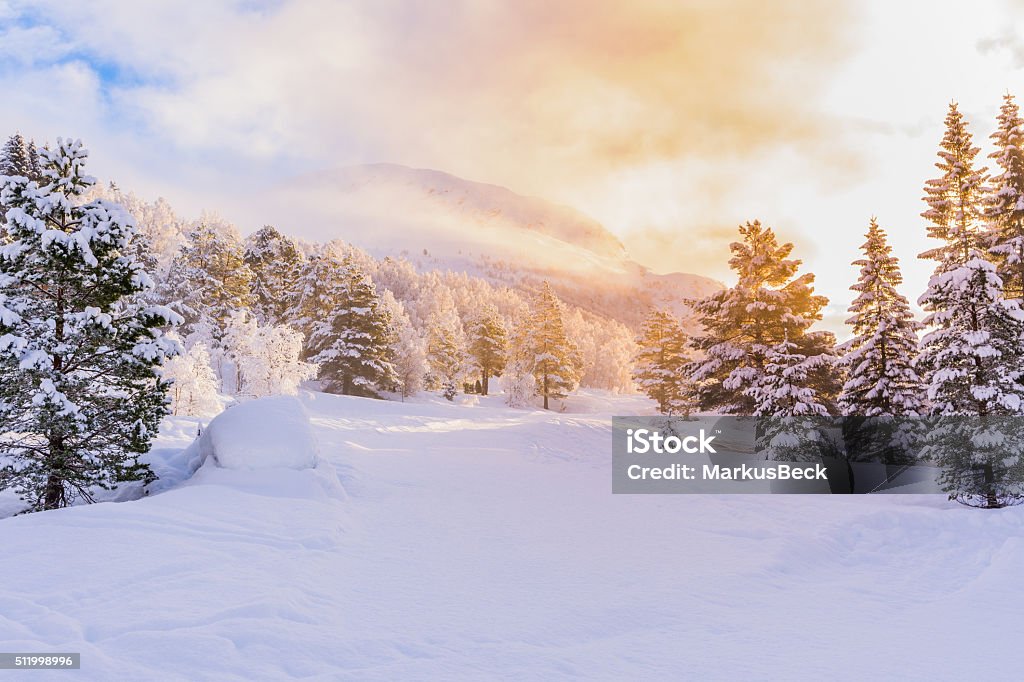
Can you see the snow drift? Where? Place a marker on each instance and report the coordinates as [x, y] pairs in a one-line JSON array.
[[263, 434]]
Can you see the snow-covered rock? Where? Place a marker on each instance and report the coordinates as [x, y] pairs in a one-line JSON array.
[[261, 434]]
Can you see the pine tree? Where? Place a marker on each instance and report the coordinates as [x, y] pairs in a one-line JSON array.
[[768, 305], [555, 359], [209, 278], [790, 427], [351, 338], [880, 357], [1005, 209], [956, 199], [80, 396], [661, 364], [488, 345], [274, 261]]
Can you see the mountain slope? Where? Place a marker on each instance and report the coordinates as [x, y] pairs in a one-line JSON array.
[[439, 221]]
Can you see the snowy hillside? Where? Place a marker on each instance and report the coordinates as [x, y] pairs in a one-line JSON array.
[[441, 541], [439, 221]]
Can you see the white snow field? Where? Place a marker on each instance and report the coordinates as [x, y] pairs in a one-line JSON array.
[[433, 541]]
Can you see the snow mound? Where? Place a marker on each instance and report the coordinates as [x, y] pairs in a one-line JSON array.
[[270, 433]]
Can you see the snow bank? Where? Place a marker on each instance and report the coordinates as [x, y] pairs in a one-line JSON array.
[[268, 433]]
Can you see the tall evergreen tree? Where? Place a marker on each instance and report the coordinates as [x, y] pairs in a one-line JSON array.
[[1005, 210], [768, 304], [554, 357], [660, 368], [956, 199], [488, 345], [80, 389], [972, 361], [880, 357], [274, 261]]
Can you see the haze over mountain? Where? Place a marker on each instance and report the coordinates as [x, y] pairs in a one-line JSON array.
[[440, 221]]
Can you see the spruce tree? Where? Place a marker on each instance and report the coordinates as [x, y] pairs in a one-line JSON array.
[[274, 261], [14, 160], [972, 361], [488, 345], [973, 367], [81, 395], [791, 427], [1005, 209], [879, 359], [956, 199], [554, 358], [660, 367], [768, 304]]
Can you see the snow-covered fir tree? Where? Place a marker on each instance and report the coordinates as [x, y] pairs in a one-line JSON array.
[[274, 261], [15, 159], [661, 363], [879, 359], [350, 332], [553, 356], [791, 427], [883, 395], [768, 304], [972, 361], [194, 386], [209, 279], [956, 199], [80, 391], [1005, 209], [488, 345], [973, 366]]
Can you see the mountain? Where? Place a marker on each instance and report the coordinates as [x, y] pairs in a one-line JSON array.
[[440, 221]]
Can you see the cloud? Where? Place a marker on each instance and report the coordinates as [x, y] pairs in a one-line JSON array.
[[531, 94]]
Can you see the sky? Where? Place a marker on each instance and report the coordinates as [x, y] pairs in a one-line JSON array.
[[671, 122]]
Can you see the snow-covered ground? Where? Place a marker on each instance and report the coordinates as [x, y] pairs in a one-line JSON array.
[[440, 541]]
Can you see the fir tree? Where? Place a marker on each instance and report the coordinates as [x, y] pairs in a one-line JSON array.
[[880, 357], [15, 160], [883, 396], [488, 345], [274, 261], [1005, 210], [554, 358], [790, 427], [81, 396], [956, 199], [769, 304], [660, 365], [973, 367]]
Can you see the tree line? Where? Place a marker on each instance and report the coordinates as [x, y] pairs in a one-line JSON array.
[[756, 353]]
